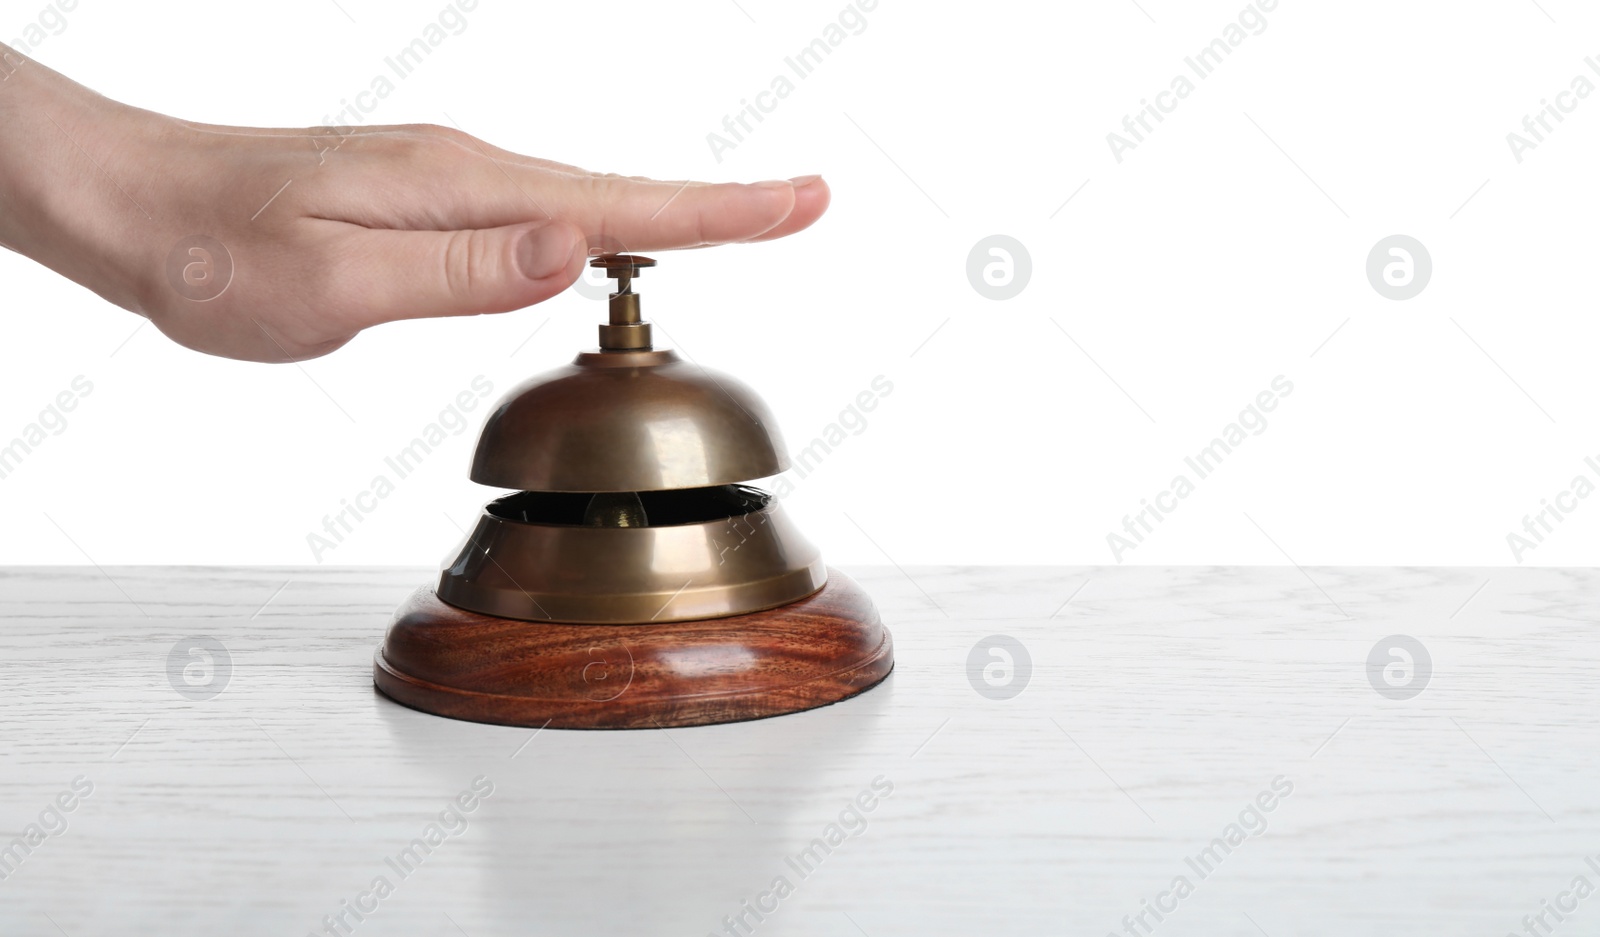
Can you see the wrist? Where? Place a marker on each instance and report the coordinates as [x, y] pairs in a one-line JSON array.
[[60, 146], [19, 90]]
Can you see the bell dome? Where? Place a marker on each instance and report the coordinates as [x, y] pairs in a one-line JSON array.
[[640, 420]]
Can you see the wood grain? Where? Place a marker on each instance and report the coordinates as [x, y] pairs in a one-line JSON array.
[[1161, 701], [451, 662]]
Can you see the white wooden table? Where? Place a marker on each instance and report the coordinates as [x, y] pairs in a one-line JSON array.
[[1161, 703]]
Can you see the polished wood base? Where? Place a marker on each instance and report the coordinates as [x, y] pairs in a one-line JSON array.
[[826, 647]]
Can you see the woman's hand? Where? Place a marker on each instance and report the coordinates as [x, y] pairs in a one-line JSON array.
[[326, 232]]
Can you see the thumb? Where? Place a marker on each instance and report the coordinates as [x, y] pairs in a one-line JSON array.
[[422, 274]]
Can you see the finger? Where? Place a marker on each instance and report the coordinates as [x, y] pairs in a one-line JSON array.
[[456, 181], [811, 199], [646, 215], [385, 275], [613, 212]]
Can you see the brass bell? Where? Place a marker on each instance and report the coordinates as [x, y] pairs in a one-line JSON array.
[[632, 579]]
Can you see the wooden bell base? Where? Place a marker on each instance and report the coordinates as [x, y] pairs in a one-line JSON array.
[[444, 660]]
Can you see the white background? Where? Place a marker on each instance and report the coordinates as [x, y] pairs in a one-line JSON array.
[[1204, 264]]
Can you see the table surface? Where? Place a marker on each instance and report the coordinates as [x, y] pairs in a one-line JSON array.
[[1159, 710]]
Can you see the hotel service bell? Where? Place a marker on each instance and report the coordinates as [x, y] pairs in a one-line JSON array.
[[633, 579]]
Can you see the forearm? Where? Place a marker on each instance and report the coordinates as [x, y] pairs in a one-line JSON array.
[[58, 161]]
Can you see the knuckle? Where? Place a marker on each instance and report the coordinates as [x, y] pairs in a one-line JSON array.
[[606, 188], [438, 131], [436, 138], [423, 148], [700, 227], [466, 263]]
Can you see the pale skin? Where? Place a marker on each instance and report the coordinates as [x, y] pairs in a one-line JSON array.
[[376, 223]]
